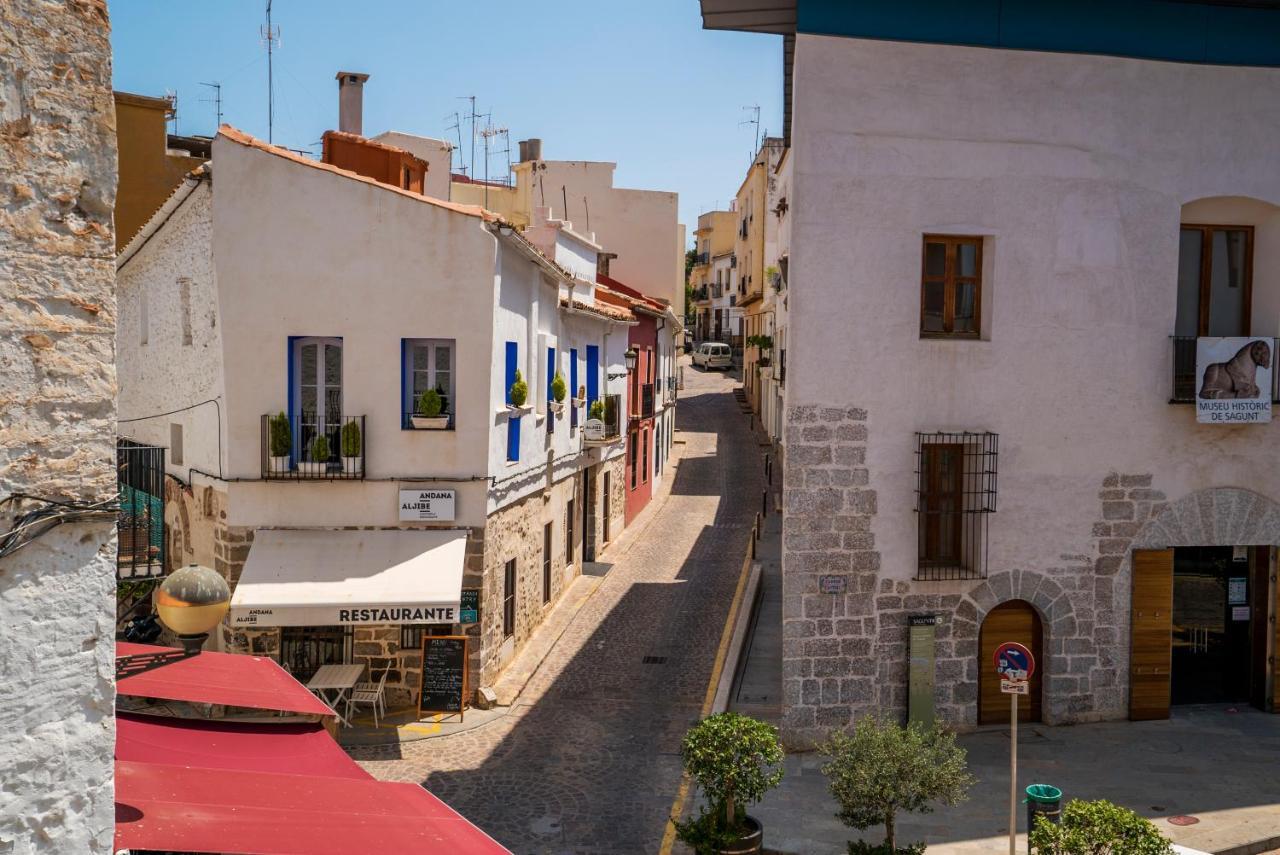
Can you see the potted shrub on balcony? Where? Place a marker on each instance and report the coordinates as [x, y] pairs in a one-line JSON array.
[[558, 392], [581, 400], [597, 410], [428, 411], [518, 394], [319, 462], [280, 443], [351, 442], [735, 759]]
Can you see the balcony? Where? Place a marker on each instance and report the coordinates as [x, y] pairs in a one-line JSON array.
[[300, 448], [1184, 371], [701, 258], [645, 402], [700, 294], [140, 526], [610, 430]]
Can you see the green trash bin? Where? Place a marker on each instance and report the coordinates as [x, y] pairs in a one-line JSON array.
[[1043, 800]]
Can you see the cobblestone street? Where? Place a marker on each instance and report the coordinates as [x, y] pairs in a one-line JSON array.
[[587, 761]]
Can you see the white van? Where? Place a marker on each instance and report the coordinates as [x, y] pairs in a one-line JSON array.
[[713, 354]]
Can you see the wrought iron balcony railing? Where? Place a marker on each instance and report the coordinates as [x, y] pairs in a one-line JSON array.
[[645, 410], [292, 447], [1185, 382], [612, 422], [140, 527]]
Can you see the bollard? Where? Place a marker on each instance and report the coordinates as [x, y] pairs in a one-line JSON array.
[[764, 502]]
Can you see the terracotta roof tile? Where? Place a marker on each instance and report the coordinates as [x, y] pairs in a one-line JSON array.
[[613, 314]]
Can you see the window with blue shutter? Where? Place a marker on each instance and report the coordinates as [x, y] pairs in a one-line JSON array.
[[573, 385], [593, 374], [513, 420], [551, 375]]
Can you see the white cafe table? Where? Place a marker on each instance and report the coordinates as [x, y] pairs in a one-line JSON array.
[[339, 679]]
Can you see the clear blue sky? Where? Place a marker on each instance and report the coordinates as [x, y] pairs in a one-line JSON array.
[[640, 83]]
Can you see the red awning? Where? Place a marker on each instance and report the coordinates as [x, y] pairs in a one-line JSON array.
[[260, 813], [296, 749], [221, 678]]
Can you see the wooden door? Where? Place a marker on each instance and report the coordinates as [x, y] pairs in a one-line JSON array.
[[1259, 609], [1151, 638], [1017, 621]]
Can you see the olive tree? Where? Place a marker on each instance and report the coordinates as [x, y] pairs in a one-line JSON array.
[[1098, 828], [882, 768]]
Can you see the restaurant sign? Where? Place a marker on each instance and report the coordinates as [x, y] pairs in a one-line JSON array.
[[1233, 380], [426, 505], [331, 615]]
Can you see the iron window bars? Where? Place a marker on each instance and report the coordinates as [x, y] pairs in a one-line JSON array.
[[140, 526], [1185, 381], [342, 434], [955, 494]]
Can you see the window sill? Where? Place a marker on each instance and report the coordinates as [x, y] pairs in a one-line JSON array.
[[936, 336]]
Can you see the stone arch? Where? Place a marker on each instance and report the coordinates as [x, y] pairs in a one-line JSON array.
[[1216, 516], [1058, 623]]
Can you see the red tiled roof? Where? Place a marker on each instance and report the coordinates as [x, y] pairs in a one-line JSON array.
[[598, 309]]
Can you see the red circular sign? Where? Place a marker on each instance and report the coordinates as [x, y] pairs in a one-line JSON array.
[[1014, 661]]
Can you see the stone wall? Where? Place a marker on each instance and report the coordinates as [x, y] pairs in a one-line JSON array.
[[845, 655], [617, 469], [57, 325]]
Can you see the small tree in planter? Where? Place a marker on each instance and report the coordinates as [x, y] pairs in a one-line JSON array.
[[427, 412], [736, 760], [1098, 828], [597, 410], [519, 391], [280, 442], [882, 768], [559, 390], [319, 455], [351, 444]]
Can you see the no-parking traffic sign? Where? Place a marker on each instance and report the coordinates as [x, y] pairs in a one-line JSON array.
[[1015, 665]]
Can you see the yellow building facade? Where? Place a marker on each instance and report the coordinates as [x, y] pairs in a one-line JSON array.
[[150, 170]]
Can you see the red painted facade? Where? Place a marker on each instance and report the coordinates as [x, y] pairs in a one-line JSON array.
[[383, 163]]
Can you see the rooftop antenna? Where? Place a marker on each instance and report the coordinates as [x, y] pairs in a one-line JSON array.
[[488, 132], [171, 95], [754, 109], [216, 100], [271, 37], [457, 126], [506, 143], [472, 116]]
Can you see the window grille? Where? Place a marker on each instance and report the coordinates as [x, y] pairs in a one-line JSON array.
[[303, 649], [955, 494]]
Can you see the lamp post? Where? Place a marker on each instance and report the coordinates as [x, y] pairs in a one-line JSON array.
[[630, 358], [191, 602]]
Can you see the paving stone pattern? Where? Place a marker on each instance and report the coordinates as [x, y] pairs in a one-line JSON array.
[[588, 761]]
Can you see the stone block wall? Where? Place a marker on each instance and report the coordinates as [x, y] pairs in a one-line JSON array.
[[845, 654], [57, 328]]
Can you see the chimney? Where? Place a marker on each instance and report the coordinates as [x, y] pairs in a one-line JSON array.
[[351, 102], [530, 149]]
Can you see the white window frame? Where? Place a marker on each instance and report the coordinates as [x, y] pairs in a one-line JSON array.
[[407, 370]]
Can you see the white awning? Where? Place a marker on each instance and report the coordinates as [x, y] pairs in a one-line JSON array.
[[321, 578]]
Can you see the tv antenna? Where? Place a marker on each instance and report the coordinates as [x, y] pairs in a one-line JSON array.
[[754, 110], [270, 37], [216, 100], [457, 126], [171, 95], [488, 132], [472, 116]]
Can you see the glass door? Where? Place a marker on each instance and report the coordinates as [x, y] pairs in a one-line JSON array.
[[318, 391], [1215, 272]]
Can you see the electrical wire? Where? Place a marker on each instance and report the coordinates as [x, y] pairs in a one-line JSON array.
[[51, 514]]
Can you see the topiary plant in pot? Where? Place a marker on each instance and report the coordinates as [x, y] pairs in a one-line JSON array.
[[428, 411], [280, 441], [735, 759], [319, 462], [559, 390], [597, 409], [518, 393], [351, 444]]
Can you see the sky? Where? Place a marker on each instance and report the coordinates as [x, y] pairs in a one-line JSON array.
[[639, 83]]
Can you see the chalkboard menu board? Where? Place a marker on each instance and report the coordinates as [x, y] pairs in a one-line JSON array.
[[444, 674]]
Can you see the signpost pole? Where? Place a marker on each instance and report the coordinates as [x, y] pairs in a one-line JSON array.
[[1013, 775]]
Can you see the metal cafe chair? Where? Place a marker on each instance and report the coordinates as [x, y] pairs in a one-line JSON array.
[[372, 694]]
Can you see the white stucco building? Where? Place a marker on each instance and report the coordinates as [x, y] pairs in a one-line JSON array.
[[1012, 228], [271, 284]]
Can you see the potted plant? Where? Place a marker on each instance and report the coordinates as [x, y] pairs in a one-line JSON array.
[[774, 276], [597, 410], [280, 443], [427, 414], [882, 767], [1098, 827], [319, 462], [581, 400], [517, 395], [735, 759], [558, 392], [350, 441]]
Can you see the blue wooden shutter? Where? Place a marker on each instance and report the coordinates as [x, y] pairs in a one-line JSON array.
[[573, 384], [551, 371], [513, 356], [513, 421], [513, 437], [593, 373]]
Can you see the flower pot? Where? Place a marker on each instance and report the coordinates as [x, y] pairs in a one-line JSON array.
[[751, 841], [579, 402], [313, 469], [352, 465], [556, 407], [429, 422], [517, 411], [278, 465]]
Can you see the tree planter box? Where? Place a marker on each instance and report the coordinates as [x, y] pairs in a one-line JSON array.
[[556, 407], [278, 465], [315, 470], [429, 422]]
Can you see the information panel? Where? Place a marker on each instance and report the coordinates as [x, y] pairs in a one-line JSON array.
[[444, 674]]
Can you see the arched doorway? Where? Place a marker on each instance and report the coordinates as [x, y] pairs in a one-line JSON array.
[[1015, 620]]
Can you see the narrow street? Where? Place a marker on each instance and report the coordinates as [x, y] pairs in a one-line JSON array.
[[587, 761]]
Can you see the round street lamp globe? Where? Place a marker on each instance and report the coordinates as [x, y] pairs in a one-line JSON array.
[[192, 601], [630, 356]]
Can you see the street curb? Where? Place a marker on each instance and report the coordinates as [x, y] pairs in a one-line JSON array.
[[1253, 848], [741, 622]]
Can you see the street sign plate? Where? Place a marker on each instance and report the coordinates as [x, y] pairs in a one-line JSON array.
[[1014, 662], [1014, 687]]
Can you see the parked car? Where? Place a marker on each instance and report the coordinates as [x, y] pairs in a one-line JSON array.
[[713, 354]]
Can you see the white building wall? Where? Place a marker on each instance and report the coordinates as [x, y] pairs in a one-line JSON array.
[[437, 153], [57, 594], [1076, 169]]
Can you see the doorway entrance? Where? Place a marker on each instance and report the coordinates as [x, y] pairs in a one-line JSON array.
[[1213, 626], [1016, 620]]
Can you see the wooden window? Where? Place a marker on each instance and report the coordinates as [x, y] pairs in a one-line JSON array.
[[941, 503], [1215, 280], [546, 563], [951, 286], [509, 599], [955, 495]]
